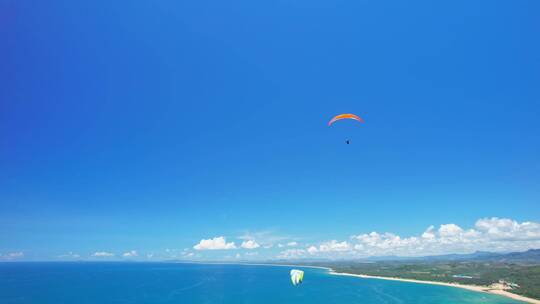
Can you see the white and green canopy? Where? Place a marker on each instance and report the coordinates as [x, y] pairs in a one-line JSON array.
[[297, 276]]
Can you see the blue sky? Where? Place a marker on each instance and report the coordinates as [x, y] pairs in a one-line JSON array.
[[150, 126]]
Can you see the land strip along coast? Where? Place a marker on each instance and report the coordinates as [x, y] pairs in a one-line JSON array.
[[494, 289]]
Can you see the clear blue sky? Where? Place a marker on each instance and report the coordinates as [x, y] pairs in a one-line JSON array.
[[146, 125]]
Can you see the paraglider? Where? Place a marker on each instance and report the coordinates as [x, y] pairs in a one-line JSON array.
[[345, 116], [297, 276]]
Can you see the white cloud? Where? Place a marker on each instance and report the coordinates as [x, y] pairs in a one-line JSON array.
[[429, 233], [506, 229], [12, 255], [130, 254], [250, 244], [490, 234], [292, 254], [312, 250], [486, 234], [450, 230], [103, 254], [69, 255], [265, 238], [217, 243], [382, 241], [334, 245], [170, 253]]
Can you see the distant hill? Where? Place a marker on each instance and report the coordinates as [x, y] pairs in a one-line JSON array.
[[478, 255], [529, 256]]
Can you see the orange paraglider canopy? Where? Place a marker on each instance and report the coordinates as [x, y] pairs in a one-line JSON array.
[[344, 116]]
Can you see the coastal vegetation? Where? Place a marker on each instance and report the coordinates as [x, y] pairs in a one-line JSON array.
[[517, 272], [522, 279]]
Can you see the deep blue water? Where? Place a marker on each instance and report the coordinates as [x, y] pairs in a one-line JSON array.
[[202, 283]]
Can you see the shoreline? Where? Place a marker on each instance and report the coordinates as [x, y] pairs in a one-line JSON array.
[[475, 288], [484, 289]]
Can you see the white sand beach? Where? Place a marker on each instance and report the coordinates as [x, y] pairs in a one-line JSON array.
[[494, 289], [487, 289]]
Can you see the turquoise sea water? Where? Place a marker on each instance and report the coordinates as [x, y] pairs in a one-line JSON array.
[[206, 283]]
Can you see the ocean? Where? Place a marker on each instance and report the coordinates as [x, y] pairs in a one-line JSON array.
[[152, 283]]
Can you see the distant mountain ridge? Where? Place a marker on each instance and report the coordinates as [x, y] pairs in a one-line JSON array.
[[529, 256]]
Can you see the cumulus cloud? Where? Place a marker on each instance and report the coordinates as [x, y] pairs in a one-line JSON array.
[[335, 246], [506, 229], [69, 255], [327, 248], [250, 244], [429, 233], [292, 244], [130, 254], [450, 230], [492, 234], [488, 234], [291, 254], [265, 238], [101, 254], [12, 255], [312, 250], [217, 243]]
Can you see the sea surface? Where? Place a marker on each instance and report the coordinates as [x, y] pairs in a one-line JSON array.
[[151, 283]]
